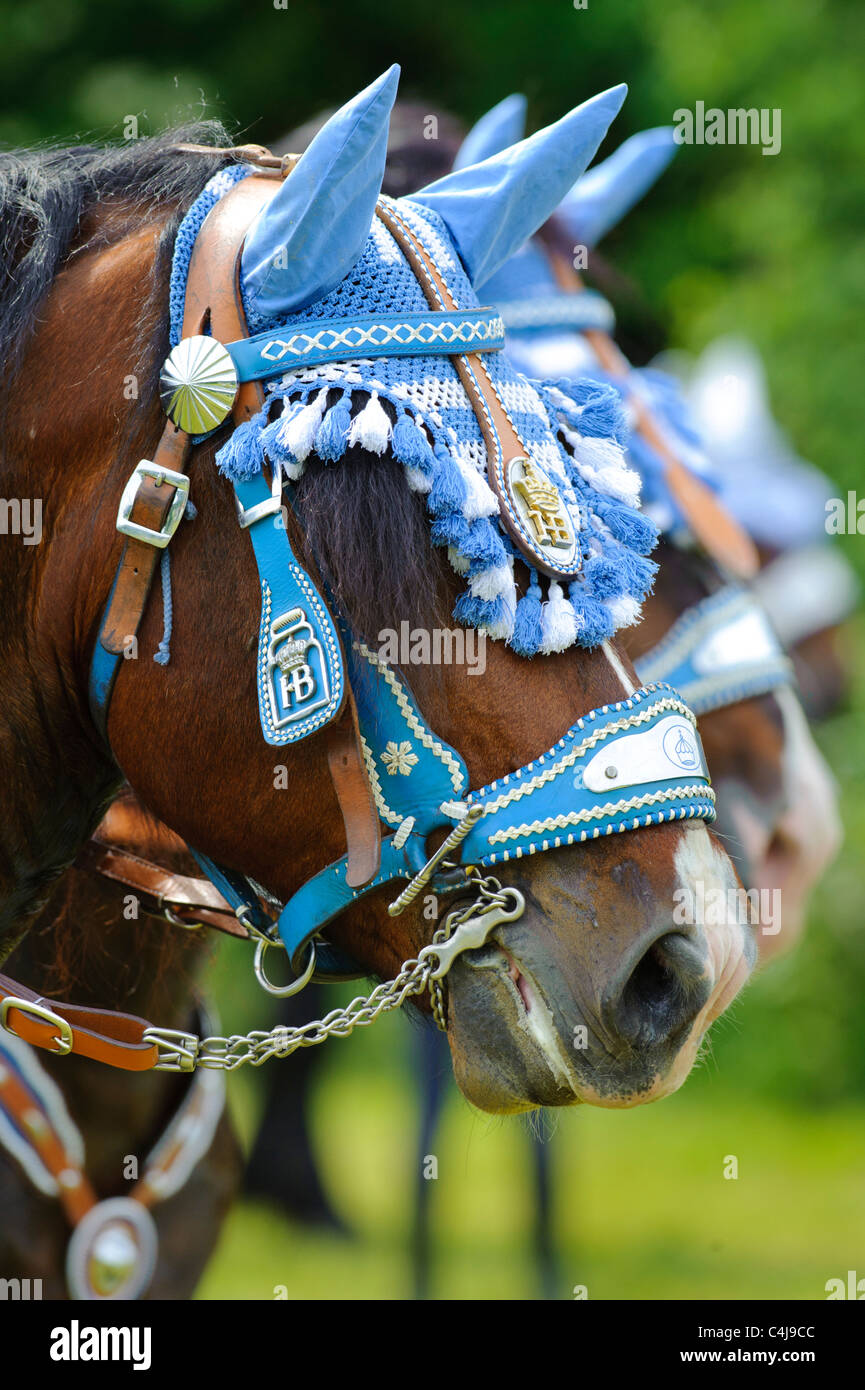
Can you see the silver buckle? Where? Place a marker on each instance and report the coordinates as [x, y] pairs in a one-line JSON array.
[[247, 515], [64, 1042], [179, 481], [177, 1050]]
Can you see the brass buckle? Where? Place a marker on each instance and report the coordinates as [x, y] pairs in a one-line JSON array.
[[65, 1040], [127, 527]]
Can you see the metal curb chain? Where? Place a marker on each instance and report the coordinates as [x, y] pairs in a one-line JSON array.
[[464, 929]]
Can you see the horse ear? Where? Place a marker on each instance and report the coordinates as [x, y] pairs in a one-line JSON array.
[[603, 196], [490, 209], [310, 234], [502, 125]]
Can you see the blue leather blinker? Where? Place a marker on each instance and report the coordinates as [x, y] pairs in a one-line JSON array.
[[301, 675]]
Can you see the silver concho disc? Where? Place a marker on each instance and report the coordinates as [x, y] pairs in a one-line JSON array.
[[112, 1252], [198, 384]]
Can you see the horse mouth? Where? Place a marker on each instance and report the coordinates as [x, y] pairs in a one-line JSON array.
[[523, 1061], [521, 982], [520, 1039]]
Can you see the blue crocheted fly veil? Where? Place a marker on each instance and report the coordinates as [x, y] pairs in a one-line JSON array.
[[416, 408]]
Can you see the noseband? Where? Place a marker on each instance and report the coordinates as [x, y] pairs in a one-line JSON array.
[[623, 766]]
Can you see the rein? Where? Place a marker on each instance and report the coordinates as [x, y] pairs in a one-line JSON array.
[[623, 766]]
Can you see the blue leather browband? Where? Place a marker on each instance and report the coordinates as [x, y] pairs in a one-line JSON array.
[[374, 335], [553, 313]]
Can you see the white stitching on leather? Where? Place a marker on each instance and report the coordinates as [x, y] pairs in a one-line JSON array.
[[576, 752], [610, 808], [417, 728]]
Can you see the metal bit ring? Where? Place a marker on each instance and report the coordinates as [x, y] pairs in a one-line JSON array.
[[294, 986]]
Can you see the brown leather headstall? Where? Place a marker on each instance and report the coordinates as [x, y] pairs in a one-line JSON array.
[[213, 300], [154, 502]]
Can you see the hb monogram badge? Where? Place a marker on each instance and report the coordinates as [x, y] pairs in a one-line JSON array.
[[296, 670], [300, 674]]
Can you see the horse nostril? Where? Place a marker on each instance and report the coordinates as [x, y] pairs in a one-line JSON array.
[[664, 991]]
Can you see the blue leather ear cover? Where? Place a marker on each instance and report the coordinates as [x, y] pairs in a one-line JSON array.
[[309, 236], [501, 126], [491, 208]]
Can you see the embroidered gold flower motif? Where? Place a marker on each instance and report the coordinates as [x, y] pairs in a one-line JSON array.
[[399, 758]]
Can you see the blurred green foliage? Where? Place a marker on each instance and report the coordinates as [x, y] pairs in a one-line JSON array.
[[730, 240]]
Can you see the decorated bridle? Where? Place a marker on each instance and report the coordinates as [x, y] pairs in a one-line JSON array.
[[113, 1247], [623, 766], [635, 763]]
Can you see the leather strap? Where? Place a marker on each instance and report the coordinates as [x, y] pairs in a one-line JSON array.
[[714, 527], [39, 1119], [35, 1123], [101, 1034], [213, 295], [128, 599], [351, 784], [187, 901], [258, 155], [138, 561]]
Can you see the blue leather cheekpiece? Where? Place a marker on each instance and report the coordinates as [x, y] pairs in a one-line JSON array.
[[624, 766], [300, 672], [722, 650]]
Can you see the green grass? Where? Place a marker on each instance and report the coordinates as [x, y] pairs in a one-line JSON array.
[[642, 1207]]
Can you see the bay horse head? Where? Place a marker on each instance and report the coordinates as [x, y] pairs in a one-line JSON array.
[[586, 792]]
